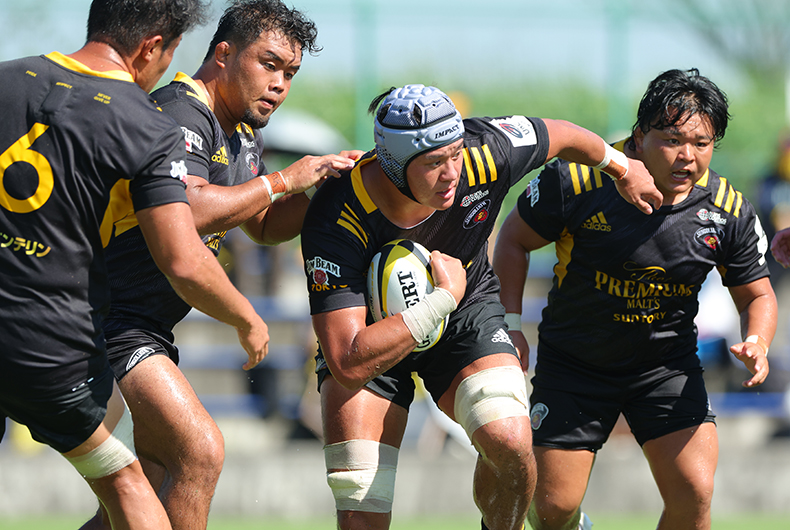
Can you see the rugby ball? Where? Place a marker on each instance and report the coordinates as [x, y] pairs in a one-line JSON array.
[[399, 276]]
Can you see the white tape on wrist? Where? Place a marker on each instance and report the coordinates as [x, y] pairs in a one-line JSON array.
[[424, 316], [513, 321], [614, 163], [310, 192], [757, 339]]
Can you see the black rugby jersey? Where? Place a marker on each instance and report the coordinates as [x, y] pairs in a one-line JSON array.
[[142, 297], [343, 229], [77, 149], [625, 285]]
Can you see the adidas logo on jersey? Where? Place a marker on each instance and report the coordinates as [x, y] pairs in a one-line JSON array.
[[501, 336], [221, 156], [597, 222]]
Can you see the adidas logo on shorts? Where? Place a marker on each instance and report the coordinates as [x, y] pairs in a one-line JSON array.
[[502, 336]]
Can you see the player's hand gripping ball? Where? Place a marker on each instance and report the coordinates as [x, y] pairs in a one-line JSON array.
[[399, 276]]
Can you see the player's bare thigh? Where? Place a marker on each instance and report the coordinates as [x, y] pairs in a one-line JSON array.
[[563, 477], [685, 458], [166, 411], [360, 414]]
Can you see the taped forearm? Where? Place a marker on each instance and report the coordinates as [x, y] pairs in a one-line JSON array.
[[423, 317]]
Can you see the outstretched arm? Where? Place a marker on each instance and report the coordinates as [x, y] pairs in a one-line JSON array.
[[220, 208], [197, 276], [515, 241], [576, 144], [756, 304]]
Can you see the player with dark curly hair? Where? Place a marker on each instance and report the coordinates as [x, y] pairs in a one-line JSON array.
[[618, 334]]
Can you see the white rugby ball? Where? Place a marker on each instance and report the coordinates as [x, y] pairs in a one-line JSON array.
[[399, 276]]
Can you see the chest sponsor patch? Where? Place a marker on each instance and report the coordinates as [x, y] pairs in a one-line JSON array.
[[477, 214], [476, 196], [716, 217], [518, 129]]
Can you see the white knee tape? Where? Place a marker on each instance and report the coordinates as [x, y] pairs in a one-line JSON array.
[[490, 395], [115, 453], [361, 474]]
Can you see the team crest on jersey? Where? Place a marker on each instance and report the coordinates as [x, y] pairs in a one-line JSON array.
[[476, 196], [518, 129], [716, 217], [533, 191], [320, 269], [478, 214], [537, 415], [709, 236], [194, 140], [253, 162], [178, 170]]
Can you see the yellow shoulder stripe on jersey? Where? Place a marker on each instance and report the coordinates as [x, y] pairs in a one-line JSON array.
[[198, 94], [119, 212], [476, 163], [704, 180], [584, 175], [563, 247], [71, 64], [732, 196], [350, 222], [359, 187]]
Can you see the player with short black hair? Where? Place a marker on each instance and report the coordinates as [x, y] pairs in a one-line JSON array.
[[124, 23], [255, 54], [82, 144], [618, 333], [437, 179]]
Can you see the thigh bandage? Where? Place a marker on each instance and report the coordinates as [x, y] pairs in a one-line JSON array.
[[114, 454], [490, 395], [361, 474]]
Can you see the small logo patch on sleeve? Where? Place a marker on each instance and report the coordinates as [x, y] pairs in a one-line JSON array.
[[518, 129]]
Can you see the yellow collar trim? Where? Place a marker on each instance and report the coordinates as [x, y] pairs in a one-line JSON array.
[[72, 64]]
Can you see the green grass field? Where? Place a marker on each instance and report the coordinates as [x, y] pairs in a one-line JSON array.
[[601, 521]]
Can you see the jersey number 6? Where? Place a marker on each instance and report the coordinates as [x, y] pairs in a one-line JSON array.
[[20, 152]]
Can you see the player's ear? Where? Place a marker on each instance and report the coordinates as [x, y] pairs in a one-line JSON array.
[[221, 53], [149, 47], [639, 139]]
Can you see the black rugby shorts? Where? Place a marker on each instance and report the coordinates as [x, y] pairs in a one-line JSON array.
[[473, 332], [65, 420], [129, 347], [575, 407]]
